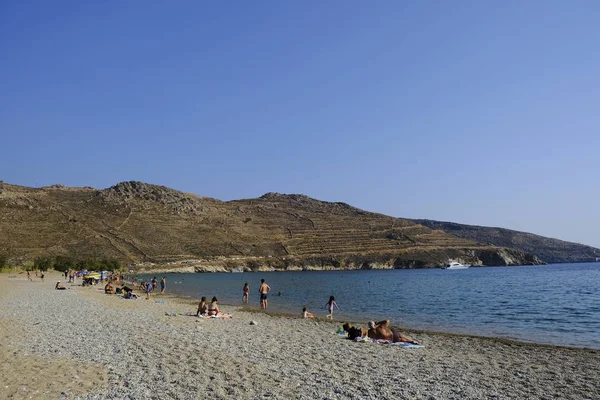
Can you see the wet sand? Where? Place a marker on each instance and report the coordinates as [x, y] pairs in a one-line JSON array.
[[80, 343]]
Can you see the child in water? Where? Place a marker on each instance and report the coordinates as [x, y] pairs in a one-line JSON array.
[[330, 304]]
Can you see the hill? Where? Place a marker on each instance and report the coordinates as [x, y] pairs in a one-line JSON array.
[[547, 249], [148, 226]]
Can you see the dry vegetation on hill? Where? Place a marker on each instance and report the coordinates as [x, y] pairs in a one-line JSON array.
[[136, 222]]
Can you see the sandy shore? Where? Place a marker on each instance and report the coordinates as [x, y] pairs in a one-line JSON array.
[[80, 343]]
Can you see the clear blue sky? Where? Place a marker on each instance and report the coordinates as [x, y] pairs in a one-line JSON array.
[[479, 112]]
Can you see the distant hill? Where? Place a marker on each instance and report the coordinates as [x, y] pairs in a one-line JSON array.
[[148, 225], [547, 249]]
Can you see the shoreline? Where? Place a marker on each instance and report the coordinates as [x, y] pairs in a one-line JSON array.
[[138, 351], [189, 300], [421, 317]]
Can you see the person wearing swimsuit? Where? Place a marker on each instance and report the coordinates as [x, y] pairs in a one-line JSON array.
[[201, 307], [213, 308], [381, 330], [263, 290], [330, 304], [246, 291]]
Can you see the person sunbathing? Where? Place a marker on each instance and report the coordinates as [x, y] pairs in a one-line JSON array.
[[201, 307], [382, 330], [109, 289], [355, 331], [213, 307], [59, 287], [212, 310]]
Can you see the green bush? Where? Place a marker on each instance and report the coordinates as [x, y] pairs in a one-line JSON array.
[[43, 263], [63, 264]]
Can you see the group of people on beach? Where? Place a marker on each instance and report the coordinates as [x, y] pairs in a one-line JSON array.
[[380, 330], [210, 309], [264, 291], [36, 275]]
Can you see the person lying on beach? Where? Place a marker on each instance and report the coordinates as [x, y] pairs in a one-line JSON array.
[[355, 331], [306, 314], [378, 330], [381, 330], [201, 307], [59, 287], [109, 289]]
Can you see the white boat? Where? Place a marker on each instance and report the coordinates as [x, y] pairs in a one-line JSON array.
[[455, 265]]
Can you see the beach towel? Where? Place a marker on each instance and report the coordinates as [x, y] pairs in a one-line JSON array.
[[174, 314], [366, 339], [402, 344]]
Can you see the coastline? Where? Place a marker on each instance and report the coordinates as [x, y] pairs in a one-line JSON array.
[[133, 349]]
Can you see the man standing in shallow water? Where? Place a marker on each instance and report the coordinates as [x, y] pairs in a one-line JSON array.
[[263, 290]]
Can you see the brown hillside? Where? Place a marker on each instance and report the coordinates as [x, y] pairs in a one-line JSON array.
[[137, 222]]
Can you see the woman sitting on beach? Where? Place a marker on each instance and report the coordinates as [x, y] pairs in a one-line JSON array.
[[213, 311], [201, 307], [58, 287], [213, 307]]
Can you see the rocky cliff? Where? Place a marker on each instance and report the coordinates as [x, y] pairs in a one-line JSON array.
[[547, 249]]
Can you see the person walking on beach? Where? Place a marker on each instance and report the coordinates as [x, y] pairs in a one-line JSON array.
[[163, 284], [148, 290], [246, 291], [29, 276], [263, 290], [330, 304]]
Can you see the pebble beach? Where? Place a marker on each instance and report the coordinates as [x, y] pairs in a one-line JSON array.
[[82, 344]]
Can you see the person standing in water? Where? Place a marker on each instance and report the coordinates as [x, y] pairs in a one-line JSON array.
[[246, 292], [163, 284], [330, 304], [263, 290]]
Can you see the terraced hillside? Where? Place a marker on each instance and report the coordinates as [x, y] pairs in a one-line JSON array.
[[137, 222]]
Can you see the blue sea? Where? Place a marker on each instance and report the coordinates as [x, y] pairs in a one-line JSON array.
[[554, 304]]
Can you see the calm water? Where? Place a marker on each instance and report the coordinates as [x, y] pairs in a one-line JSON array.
[[556, 304]]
